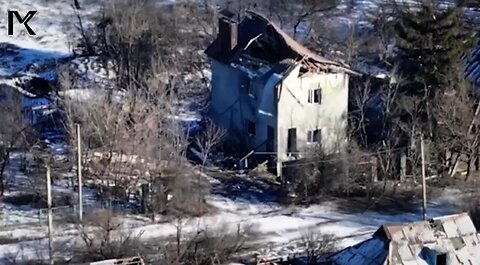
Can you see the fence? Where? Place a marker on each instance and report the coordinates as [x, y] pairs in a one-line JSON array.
[[36, 217], [39, 217], [367, 165], [124, 261]]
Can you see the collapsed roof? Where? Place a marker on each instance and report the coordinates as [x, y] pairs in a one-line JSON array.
[[259, 38], [451, 239]]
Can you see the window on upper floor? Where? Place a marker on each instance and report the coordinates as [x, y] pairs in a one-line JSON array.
[[270, 139], [250, 127], [315, 96], [251, 91], [249, 87]]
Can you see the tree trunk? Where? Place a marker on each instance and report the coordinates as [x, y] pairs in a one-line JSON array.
[[477, 161], [6, 158], [470, 166], [453, 164]]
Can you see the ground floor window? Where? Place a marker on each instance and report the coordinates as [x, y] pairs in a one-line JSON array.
[[292, 140], [270, 139]]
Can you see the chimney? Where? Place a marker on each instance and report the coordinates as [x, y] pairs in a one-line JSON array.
[[227, 31]]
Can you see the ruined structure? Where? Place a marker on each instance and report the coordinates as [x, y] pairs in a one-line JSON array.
[[275, 96]]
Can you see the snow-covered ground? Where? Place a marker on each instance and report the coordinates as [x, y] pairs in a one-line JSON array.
[[54, 25], [279, 230]]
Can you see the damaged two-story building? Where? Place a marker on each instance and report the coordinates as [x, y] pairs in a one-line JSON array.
[[274, 95]]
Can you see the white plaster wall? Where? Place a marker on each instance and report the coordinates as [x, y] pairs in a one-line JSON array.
[[294, 111]]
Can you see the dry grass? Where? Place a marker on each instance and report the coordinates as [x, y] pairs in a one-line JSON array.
[[107, 241]]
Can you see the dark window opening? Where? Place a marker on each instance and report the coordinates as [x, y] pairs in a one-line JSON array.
[[441, 259], [432, 256], [315, 96], [250, 126], [249, 87], [270, 139], [292, 140], [314, 136], [251, 91], [246, 85], [302, 71]]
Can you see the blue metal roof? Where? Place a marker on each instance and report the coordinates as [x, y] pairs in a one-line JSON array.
[[472, 70], [373, 251]]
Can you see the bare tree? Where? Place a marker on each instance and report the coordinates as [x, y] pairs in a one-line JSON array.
[[107, 240], [384, 27], [358, 120], [294, 15], [87, 39], [134, 137], [317, 244], [304, 11], [14, 129], [413, 126], [457, 119], [205, 246], [210, 138], [392, 108], [125, 141], [131, 38], [341, 174], [204, 20]]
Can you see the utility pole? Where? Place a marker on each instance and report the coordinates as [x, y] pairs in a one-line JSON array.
[[424, 184], [79, 167], [50, 222]]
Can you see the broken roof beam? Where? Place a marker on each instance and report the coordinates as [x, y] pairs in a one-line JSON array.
[[252, 41]]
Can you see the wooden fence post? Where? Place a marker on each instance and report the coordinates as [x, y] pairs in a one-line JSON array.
[[373, 163], [403, 167]]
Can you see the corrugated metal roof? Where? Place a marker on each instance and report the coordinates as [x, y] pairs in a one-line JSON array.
[[472, 69], [454, 235], [372, 251]]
